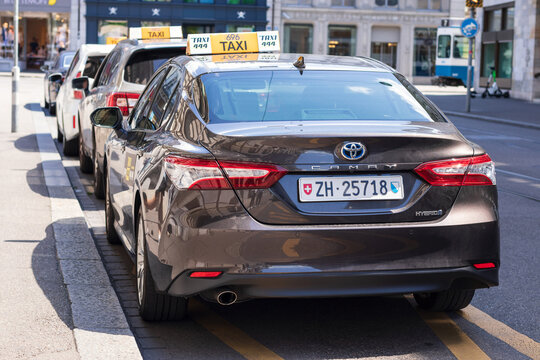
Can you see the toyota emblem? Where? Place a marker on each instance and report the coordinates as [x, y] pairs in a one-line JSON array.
[[353, 150]]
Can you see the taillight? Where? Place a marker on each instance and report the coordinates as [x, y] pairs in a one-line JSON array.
[[125, 101], [187, 173], [205, 274], [477, 170], [488, 265], [77, 94]]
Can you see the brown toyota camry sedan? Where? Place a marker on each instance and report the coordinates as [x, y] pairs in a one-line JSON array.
[[244, 176]]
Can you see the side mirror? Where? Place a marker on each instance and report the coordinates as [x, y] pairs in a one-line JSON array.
[[57, 77], [80, 83], [44, 68], [107, 117]]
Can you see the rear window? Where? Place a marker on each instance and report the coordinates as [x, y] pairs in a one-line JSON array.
[[67, 60], [92, 65], [144, 63], [313, 95]]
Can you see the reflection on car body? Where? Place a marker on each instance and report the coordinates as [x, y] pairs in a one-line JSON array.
[[211, 185]]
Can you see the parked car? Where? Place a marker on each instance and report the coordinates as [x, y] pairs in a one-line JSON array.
[[54, 77], [119, 81], [85, 63], [238, 177]]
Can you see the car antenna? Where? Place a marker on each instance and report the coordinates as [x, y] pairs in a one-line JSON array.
[[299, 64]]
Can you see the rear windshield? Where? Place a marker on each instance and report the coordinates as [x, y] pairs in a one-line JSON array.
[[67, 60], [313, 95], [92, 65], [143, 64]]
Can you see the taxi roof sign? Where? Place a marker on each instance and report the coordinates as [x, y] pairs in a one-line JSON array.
[[233, 43], [156, 33]]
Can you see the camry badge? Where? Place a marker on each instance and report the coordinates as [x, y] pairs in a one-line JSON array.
[[353, 150]]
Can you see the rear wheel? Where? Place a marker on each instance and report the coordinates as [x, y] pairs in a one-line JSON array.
[[85, 162], [112, 235], [70, 147], [153, 306], [449, 300], [59, 135]]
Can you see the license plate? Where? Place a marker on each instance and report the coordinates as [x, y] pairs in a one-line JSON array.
[[350, 188]]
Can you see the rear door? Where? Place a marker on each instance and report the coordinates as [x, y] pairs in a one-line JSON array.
[[350, 145]]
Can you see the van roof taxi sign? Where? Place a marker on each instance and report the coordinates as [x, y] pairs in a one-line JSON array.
[[156, 33], [233, 43]]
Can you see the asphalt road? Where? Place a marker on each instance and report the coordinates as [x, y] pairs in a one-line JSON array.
[[502, 323]]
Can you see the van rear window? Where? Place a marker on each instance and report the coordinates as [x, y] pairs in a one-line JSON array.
[[144, 63]]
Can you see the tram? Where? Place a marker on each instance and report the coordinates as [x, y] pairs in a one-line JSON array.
[[452, 53]]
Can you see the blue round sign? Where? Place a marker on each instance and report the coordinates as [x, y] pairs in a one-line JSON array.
[[469, 27]]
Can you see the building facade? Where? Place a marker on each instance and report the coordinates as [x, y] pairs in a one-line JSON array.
[[509, 43], [108, 21], [401, 33], [45, 28]]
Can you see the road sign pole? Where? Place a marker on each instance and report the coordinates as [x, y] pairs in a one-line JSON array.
[[15, 74], [469, 67]]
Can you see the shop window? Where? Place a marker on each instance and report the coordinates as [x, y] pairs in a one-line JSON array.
[[240, 28], [443, 47], [385, 52], [155, 23], [111, 31], [342, 40], [488, 59], [424, 51], [298, 39], [343, 3], [429, 4], [241, 2], [494, 18], [386, 2], [196, 29], [504, 66]]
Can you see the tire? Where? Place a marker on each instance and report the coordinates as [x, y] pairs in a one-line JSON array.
[[506, 94], [70, 147], [99, 190], [85, 162], [45, 103], [153, 306], [112, 235], [52, 109], [59, 135], [449, 300], [484, 94]]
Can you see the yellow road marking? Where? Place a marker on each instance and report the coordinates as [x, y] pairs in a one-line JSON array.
[[501, 331], [459, 343], [229, 334], [289, 247]]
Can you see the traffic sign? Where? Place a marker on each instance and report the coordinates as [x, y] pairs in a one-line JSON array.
[[474, 3], [469, 27]]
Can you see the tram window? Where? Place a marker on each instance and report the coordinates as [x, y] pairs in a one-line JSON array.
[[461, 47], [443, 46]]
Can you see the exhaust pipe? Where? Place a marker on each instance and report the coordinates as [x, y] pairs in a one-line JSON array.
[[226, 297]]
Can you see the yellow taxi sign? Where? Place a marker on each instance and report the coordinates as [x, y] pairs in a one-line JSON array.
[[113, 40], [156, 33], [233, 43]]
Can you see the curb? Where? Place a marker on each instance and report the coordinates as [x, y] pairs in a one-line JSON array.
[[493, 119], [100, 327]]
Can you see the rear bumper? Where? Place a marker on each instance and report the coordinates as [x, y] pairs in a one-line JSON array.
[[358, 283]]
